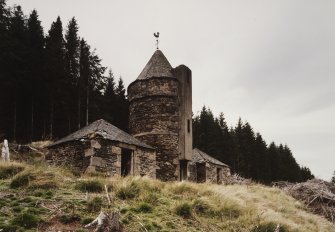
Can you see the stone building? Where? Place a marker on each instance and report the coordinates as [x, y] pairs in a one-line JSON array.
[[160, 114], [160, 123], [103, 147], [204, 168]]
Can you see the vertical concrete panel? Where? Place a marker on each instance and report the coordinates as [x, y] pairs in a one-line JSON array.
[[184, 77]]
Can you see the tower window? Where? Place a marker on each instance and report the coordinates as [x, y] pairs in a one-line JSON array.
[[188, 125]]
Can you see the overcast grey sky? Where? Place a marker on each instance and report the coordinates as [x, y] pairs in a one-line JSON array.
[[272, 63]]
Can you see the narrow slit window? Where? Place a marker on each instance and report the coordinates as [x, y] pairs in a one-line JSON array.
[[188, 125]]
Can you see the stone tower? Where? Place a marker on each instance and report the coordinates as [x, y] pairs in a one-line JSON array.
[[160, 114]]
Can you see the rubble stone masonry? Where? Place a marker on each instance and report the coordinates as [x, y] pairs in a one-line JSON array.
[[154, 119]]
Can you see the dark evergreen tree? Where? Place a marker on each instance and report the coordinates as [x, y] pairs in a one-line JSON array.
[[17, 67], [261, 169], [110, 98], [72, 70], [95, 87], [5, 81], [49, 85], [84, 80], [333, 178], [35, 74], [305, 174], [121, 118], [245, 152], [56, 80]]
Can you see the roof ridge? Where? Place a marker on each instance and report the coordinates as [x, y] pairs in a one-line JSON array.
[[104, 129]]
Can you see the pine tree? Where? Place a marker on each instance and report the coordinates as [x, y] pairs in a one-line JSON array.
[[305, 174], [109, 98], [5, 79], [72, 70], [56, 78], [110, 89], [17, 66], [261, 169], [35, 68], [97, 84], [333, 178], [85, 74], [121, 117]]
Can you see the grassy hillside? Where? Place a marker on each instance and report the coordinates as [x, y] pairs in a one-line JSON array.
[[38, 197]]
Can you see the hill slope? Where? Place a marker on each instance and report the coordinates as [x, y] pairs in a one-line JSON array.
[[38, 197]]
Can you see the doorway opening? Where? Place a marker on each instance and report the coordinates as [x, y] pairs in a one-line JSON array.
[[219, 175], [183, 170], [126, 162], [201, 172]]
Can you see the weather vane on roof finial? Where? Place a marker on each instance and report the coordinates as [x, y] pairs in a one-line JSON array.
[[157, 41]]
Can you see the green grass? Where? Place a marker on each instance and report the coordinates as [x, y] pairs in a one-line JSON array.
[[26, 220], [92, 186], [128, 191], [8, 170], [40, 196], [95, 205], [184, 210], [69, 218]]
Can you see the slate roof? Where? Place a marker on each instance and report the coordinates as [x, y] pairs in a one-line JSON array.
[[201, 157], [104, 129], [158, 66]]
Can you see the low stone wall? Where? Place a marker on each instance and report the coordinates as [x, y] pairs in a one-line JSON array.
[[192, 172], [102, 156], [145, 163], [167, 155], [212, 174], [69, 155]]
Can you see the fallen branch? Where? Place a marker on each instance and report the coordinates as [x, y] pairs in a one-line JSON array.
[[139, 221], [108, 197], [318, 195]]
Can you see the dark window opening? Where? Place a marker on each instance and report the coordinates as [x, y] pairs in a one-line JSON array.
[[188, 78], [183, 170], [188, 126], [126, 162], [201, 172], [219, 175]]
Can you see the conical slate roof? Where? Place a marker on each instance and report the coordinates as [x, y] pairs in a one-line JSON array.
[[158, 66], [104, 129], [201, 157]]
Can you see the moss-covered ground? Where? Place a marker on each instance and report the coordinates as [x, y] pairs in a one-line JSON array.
[[37, 197]]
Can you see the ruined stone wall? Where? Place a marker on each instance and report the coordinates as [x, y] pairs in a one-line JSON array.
[[154, 119], [70, 155], [192, 172], [100, 155], [226, 172], [105, 157], [211, 173], [145, 162], [167, 156]]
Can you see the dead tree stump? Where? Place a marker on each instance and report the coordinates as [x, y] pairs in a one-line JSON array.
[[106, 223]]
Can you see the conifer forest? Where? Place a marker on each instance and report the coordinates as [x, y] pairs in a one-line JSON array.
[[52, 83]]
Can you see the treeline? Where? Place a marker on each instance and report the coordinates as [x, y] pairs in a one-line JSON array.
[[245, 151], [52, 84]]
